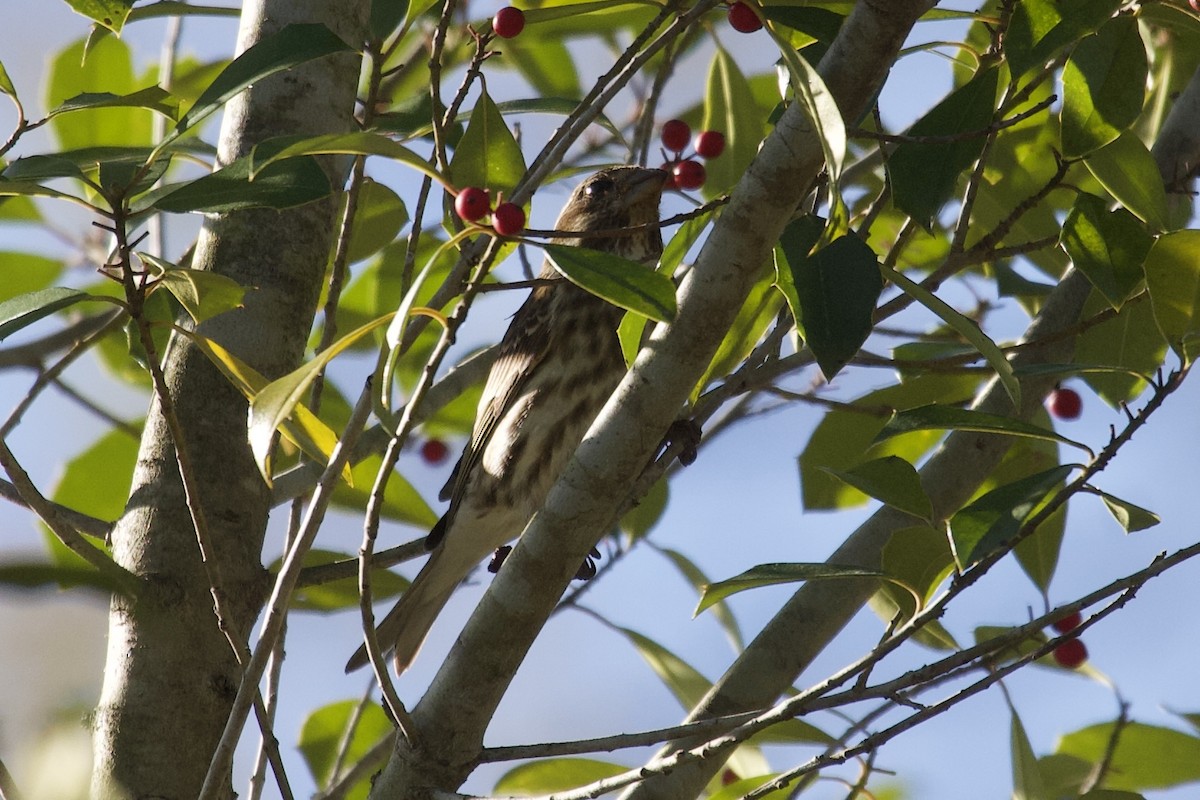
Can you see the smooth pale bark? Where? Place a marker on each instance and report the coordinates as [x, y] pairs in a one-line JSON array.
[[171, 673], [453, 715]]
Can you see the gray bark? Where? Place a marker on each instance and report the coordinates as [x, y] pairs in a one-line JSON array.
[[171, 674]]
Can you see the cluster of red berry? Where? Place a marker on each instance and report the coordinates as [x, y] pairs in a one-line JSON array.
[[743, 18], [687, 173], [1071, 653], [1064, 403], [473, 203]]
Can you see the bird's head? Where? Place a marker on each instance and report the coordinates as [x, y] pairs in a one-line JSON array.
[[618, 197]]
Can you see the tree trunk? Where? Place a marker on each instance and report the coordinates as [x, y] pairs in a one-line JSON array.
[[171, 672]]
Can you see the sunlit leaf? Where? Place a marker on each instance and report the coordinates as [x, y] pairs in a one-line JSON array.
[[1109, 247], [994, 519], [1104, 85], [109, 13], [487, 155], [618, 280], [1128, 172], [941, 417], [1145, 756], [892, 481], [202, 293], [343, 593], [554, 775], [282, 185], [324, 732], [1130, 517], [25, 309], [1173, 278]]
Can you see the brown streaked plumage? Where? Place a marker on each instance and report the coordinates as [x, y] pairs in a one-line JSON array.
[[559, 361]]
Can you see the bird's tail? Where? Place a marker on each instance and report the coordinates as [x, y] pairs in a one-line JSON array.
[[404, 629]]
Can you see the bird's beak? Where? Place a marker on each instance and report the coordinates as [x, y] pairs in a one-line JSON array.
[[644, 184]]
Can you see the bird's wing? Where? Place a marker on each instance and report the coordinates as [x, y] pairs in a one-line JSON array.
[[522, 350]]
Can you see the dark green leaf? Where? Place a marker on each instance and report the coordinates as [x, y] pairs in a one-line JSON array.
[[941, 417], [892, 481], [284, 184], [386, 16], [924, 174], [401, 502], [36, 574], [1145, 756], [202, 293], [917, 560], [1107, 246], [288, 47], [774, 574], [1104, 86], [154, 98], [838, 287], [995, 518], [487, 155], [25, 309], [1040, 28], [820, 24], [378, 218], [755, 316], [618, 280]]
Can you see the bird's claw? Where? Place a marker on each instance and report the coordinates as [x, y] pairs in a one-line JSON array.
[[687, 433]]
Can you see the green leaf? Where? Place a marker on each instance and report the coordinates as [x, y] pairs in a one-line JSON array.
[[6, 84], [1145, 756], [1039, 552], [288, 47], [941, 417], [25, 273], [638, 520], [743, 786], [554, 775], [916, 560], [38, 574], [487, 155], [890, 480], [844, 435], [1104, 86], [774, 574], [107, 66], [544, 60], [386, 16], [109, 13], [966, 327], [993, 519], [378, 218], [282, 185], [401, 502], [729, 108], [924, 174], [1107, 246], [203, 294], [1131, 342], [755, 316], [23, 310], [554, 104], [1130, 517], [340, 594], [1127, 171], [1040, 28], [360, 144], [837, 287], [1027, 775], [688, 685], [96, 482], [795, 243], [618, 280], [696, 577], [279, 399], [324, 731], [154, 98], [1173, 278]]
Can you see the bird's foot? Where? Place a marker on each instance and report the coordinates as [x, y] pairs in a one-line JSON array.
[[687, 433]]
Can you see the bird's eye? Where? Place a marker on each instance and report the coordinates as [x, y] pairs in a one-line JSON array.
[[599, 187]]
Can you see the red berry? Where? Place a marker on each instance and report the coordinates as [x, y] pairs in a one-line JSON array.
[[1065, 404], [434, 451], [1195, 4], [675, 135], [743, 19], [710, 144], [508, 219], [1067, 623], [472, 203], [689, 174], [508, 22], [729, 776], [1070, 654]]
